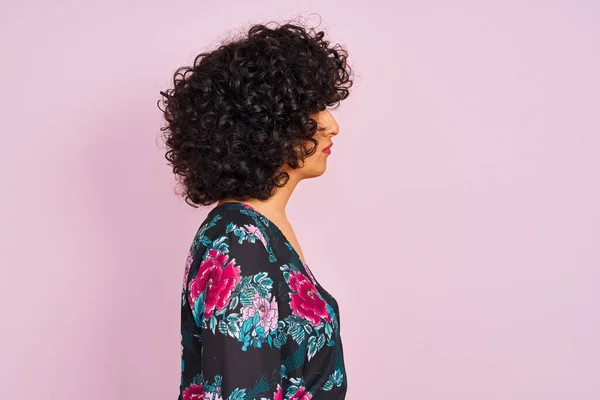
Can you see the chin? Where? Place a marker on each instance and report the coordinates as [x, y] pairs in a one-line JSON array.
[[315, 173]]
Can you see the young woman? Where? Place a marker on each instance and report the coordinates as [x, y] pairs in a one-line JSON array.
[[245, 124]]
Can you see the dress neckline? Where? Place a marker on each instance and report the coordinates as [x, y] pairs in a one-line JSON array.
[[305, 264]]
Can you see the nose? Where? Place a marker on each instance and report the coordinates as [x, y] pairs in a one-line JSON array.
[[334, 128]]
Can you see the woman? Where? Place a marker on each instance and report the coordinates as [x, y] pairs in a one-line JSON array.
[[245, 124]]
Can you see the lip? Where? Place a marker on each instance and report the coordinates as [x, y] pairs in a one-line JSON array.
[[328, 148]]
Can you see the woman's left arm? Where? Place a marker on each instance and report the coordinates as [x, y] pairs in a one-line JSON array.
[[237, 314]]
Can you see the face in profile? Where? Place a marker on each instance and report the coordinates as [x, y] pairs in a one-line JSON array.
[[316, 164]]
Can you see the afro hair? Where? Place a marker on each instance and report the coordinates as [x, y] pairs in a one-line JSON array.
[[240, 112]]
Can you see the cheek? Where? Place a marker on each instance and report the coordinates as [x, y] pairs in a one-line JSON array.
[[317, 157]]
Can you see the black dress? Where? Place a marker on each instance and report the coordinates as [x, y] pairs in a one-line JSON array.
[[255, 324]]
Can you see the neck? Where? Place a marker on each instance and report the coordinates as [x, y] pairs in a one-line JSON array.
[[274, 206]]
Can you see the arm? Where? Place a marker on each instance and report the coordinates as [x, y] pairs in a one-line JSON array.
[[236, 315]]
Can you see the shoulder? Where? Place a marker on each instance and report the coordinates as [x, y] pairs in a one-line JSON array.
[[236, 232], [236, 223]]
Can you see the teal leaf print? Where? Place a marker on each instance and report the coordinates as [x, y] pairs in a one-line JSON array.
[[334, 379], [245, 300], [259, 277], [296, 381], [260, 331], [220, 312], [297, 333], [237, 394], [247, 326], [213, 323], [312, 347], [315, 343], [280, 339], [262, 290], [256, 319], [197, 380], [206, 242], [220, 244], [200, 234], [234, 318], [264, 284], [223, 328], [241, 234], [233, 303], [250, 291], [262, 385], [328, 330], [199, 310], [233, 330], [230, 226], [231, 327], [320, 342], [246, 280]]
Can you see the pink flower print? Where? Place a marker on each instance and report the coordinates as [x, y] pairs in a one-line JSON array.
[[213, 396], [194, 392], [278, 395], [306, 301], [301, 394], [253, 230], [267, 311], [217, 279]]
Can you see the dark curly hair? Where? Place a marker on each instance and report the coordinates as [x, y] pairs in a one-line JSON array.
[[243, 110]]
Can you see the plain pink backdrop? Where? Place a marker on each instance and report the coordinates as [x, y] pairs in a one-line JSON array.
[[457, 223]]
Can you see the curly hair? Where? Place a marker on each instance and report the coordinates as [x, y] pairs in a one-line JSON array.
[[243, 110]]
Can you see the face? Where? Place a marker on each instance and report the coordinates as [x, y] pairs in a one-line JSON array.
[[316, 164]]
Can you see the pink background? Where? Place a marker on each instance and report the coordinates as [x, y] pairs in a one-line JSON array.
[[457, 223]]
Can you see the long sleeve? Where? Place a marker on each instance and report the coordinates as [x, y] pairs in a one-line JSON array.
[[232, 344]]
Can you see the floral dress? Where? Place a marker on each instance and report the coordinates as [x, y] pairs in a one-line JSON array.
[[255, 324]]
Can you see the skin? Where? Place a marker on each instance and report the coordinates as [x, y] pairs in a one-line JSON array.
[[314, 166]]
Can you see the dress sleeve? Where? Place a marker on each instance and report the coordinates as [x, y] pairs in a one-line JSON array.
[[236, 306]]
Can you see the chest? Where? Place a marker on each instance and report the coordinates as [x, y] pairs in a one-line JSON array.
[[290, 236]]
